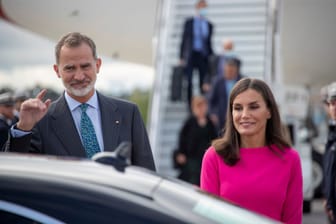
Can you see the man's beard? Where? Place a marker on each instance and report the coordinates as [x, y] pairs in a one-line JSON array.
[[79, 92]]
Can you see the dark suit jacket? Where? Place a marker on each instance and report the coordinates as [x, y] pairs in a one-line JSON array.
[[187, 39], [4, 127], [218, 99], [56, 133]]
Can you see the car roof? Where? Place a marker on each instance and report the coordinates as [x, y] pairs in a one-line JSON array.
[[171, 195], [133, 179]]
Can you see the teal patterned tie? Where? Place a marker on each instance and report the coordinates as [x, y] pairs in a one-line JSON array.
[[88, 134]]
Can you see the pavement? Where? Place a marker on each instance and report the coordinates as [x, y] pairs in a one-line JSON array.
[[317, 215]]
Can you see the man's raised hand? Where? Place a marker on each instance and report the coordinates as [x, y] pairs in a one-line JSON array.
[[32, 111]]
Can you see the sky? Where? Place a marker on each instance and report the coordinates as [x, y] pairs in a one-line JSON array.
[[26, 59]]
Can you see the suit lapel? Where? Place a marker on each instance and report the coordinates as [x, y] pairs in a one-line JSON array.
[[110, 121], [65, 130]]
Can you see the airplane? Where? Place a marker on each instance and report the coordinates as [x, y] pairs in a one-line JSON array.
[[288, 43]]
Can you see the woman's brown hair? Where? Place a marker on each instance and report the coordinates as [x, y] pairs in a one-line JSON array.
[[228, 145]]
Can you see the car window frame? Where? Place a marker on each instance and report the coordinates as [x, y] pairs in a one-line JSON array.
[[27, 213]]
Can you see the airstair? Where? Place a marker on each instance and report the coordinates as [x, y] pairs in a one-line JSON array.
[[244, 21]]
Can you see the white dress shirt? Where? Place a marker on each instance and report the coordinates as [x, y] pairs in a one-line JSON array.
[[93, 111]]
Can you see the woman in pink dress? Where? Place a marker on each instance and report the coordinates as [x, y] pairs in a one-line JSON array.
[[253, 165]]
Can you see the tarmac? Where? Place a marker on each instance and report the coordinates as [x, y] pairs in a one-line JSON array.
[[317, 214]]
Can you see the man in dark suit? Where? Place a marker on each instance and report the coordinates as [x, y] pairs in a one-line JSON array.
[[6, 115], [330, 155], [196, 45], [220, 91], [82, 121]]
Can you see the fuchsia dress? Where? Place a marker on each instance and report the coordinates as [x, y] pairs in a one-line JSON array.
[[262, 181]]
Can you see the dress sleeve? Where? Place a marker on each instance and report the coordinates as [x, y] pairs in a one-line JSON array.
[[292, 208], [209, 173]]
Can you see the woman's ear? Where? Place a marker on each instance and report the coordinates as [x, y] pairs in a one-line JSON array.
[[268, 114]]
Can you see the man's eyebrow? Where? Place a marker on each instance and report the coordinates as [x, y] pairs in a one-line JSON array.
[[68, 66], [85, 64]]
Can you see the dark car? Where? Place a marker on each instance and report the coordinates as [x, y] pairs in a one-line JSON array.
[[45, 189]]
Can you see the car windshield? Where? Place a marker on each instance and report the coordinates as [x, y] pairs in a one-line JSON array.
[[224, 212], [197, 206]]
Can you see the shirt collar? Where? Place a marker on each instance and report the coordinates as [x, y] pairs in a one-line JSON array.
[[73, 104], [198, 18]]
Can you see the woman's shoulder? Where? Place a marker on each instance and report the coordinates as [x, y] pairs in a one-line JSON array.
[[211, 153], [189, 121], [292, 153], [293, 160], [289, 153], [212, 159]]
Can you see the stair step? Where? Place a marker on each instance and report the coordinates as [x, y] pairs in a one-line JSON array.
[[244, 21]]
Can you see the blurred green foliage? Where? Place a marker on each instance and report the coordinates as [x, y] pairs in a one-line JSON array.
[[141, 98]]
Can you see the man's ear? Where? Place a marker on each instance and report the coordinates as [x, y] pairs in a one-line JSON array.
[[98, 64], [56, 69]]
